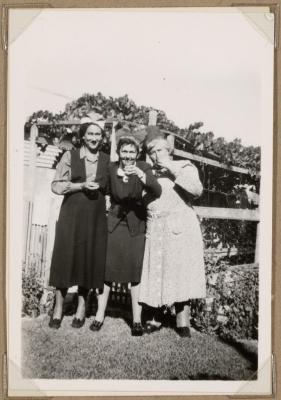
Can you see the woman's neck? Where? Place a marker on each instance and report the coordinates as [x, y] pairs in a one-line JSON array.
[[120, 165], [91, 152]]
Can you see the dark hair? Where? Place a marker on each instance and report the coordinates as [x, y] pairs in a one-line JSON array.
[[124, 140], [85, 126]]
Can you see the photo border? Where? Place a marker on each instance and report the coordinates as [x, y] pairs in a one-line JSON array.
[[276, 271]]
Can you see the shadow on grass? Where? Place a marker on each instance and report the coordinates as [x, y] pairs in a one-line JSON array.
[[115, 309], [76, 354], [122, 310], [246, 348]]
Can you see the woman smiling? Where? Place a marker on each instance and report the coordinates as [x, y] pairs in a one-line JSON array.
[[81, 233], [126, 226]]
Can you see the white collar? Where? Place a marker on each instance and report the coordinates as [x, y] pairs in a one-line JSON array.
[[84, 153]]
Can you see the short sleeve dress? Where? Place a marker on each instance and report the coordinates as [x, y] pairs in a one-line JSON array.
[[173, 267]]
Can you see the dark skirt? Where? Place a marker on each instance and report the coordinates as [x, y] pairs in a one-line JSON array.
[[124, 255], [80, 243]]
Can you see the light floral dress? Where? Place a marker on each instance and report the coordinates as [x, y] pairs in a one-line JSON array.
[[173, 267]]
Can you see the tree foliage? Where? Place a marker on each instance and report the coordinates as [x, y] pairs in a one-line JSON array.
[[125, 110]]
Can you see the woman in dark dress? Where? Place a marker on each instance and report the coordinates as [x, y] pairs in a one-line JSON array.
[[126, 226], [81, 234]]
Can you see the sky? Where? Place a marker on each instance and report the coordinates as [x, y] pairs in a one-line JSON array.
[[195, 66]]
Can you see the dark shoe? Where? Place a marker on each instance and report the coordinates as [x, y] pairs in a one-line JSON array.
[[137, 329], [150, 328], [183, 331], [55, 323], [77, 323], [96, 325]]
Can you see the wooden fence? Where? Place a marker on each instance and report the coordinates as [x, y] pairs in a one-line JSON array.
[[35, 247], [45, 158], [35, 244]]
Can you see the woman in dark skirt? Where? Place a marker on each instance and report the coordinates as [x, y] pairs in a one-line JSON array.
[[81, 234], [126, 226]]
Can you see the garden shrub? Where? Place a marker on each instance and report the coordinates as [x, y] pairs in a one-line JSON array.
[[32, 290], [237, 237], [231, 307]]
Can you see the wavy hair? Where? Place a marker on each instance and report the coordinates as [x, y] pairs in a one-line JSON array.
[[125, 140]]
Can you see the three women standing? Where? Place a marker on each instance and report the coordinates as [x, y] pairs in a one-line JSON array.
[[81, 233], [92, 253]]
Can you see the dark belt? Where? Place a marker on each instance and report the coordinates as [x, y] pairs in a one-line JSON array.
[[121, 211]]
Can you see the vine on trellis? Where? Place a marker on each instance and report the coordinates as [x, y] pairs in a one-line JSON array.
[[127, 112]]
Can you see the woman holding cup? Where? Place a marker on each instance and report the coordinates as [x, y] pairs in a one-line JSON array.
[[128, 178]]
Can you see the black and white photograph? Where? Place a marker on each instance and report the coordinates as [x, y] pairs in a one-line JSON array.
[[139, 250]]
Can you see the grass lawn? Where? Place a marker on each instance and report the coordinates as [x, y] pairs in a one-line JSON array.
[[112, 353]]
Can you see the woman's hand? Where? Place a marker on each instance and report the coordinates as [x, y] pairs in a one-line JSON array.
[[164, 163], [107, 202], [134, 170], [167, 164], [90, 186]]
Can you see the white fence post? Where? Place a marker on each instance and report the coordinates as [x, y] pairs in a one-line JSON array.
[[152, 120], [32, 159], [30, 195], [152, 117], [113, 154]]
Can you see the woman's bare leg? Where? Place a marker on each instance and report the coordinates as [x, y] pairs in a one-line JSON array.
[[136, 307], [183, 315], [102, 303], [81, 307], [59, 298]]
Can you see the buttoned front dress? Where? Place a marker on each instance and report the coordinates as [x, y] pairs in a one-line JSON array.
[[126, 224], [173, 267], [81, 233]]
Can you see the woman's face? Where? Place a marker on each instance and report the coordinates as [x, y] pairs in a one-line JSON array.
[[128, 154], [92, 137], [159, 151]]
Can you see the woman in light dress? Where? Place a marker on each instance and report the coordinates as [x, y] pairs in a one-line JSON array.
[[173, 268]]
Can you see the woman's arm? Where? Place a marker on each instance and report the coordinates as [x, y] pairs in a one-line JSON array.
[[187, 177], [61, 183], [149, 181]]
